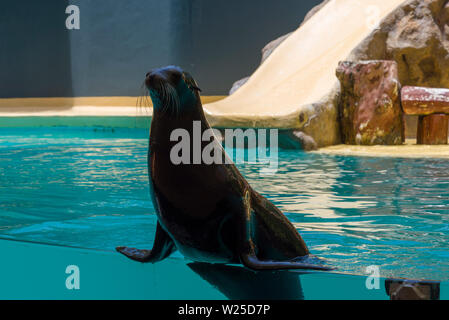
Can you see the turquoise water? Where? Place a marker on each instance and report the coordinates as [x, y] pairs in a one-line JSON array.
[[88, 187]]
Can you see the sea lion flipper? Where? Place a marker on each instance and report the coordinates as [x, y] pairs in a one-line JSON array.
[[251, 261], [163, 246], [135, 254], [248, 256]]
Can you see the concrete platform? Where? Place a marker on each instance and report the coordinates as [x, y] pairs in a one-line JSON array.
[[409, 150]]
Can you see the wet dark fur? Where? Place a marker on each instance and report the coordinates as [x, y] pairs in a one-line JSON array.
[[208, 212]]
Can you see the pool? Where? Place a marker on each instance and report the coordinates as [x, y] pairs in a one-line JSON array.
[[87, 187]]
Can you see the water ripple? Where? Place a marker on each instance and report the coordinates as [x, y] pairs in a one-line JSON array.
[[86, 187]]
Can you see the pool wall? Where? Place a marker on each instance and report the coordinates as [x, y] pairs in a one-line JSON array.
[[38, 271], [111, 112]]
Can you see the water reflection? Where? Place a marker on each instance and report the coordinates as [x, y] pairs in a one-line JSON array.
[[85, 188], [361, 211]]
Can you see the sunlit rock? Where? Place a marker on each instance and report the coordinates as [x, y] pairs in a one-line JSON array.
[[369, 109]]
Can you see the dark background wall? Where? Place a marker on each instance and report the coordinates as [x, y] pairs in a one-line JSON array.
[[119, 41], [34, 49]]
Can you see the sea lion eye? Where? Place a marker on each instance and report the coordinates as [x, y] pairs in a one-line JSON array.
[[190, 82]]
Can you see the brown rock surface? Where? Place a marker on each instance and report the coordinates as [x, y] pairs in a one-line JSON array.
[[369, 107], [433, 129], [424, 101], [432, 107], [416, 36]]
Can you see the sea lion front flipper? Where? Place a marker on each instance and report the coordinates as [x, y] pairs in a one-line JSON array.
[[248, 255], [163, 246]]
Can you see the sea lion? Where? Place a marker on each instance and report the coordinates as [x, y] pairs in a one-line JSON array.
[[208, 212]]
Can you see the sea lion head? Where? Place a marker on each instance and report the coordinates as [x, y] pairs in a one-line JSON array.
[[172, 90]]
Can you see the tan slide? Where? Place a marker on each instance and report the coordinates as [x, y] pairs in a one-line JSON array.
[[301, 71]]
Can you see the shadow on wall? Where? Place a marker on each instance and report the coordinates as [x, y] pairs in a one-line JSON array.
[[34, 49]]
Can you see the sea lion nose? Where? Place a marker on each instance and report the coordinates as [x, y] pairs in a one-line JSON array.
[[152, 78]]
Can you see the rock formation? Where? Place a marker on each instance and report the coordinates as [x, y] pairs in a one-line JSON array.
[[432, 107], [370, 110], [415, 35]]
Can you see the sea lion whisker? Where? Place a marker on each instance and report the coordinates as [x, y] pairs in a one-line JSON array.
[[169, 97], [163, 96], [171, 93], [146, 100], [142, 100], [175, 102]]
